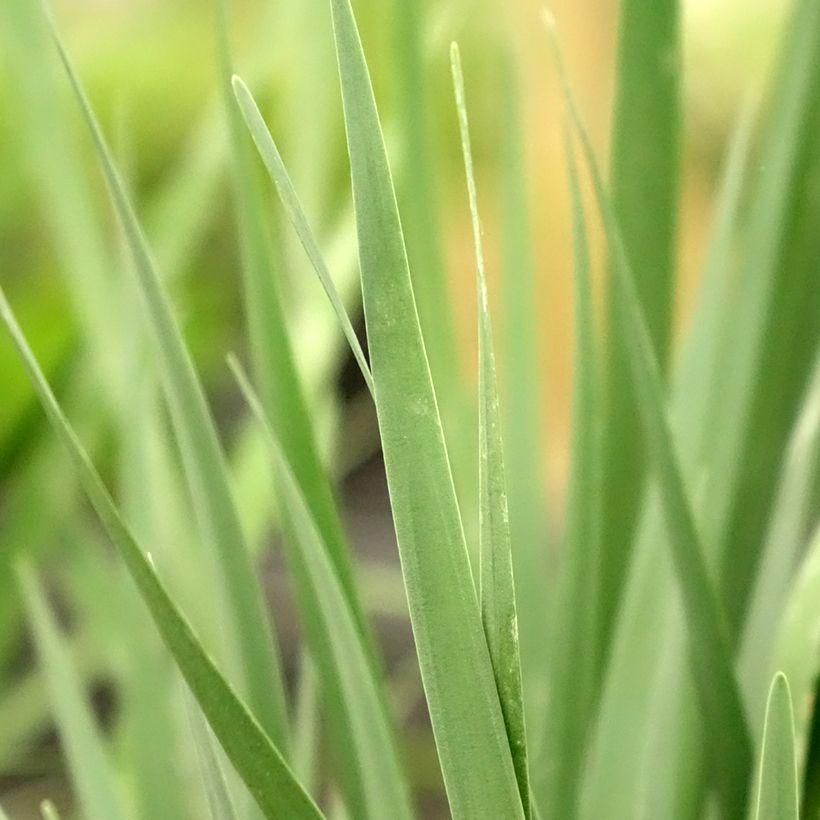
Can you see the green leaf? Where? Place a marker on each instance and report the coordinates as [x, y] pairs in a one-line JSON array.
[[204, 461], [521, 388], [372, 748], [290, 201], [281, 390], [47, 809], [419, 183], [799, 629], [710, 649], [87, 758], [645, 159], [213, 778], [639, 758], [574, 637], [256, 759], [793, 515], [773, 316], [456, 670], [497, 586], [777, 796]]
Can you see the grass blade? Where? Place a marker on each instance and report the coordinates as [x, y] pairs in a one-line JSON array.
[[497, 586], [213, 778], [372, 749], [456, 670], [574, 636], [204, 460], [87, 758], [777, 787], [520, 368], [801, 623], [645, 153], [281, 390], [47, 809], [255, 758], [710, 649], [792, 517], [290, 201]]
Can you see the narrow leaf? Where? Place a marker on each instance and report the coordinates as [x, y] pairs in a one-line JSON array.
[[373, 750], [497, 587], [47, 810], [213, 778], [255, 758], [777, 795], [87, 758], [249, 628], [290, 201], [710, 652], [456, 670], [575, 642], [644, 167]]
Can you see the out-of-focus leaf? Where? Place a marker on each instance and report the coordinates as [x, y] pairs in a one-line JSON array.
[[777, 785], [250, 648], [255, 758], [87, 758]]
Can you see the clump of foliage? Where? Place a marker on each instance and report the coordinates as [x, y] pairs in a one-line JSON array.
[[628, 680]]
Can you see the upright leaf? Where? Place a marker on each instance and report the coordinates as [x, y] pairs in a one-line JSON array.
[[293, 207], [342, 652], [645, 159], [254, 756], [574, 636], [777, 795], [709, 645], [520, 369], [249, 633], [47, 809], [455, 664], [213, 778], [496, 587], [88, 761]]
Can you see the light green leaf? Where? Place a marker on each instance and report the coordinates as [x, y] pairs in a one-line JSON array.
[[213, 778], [248, 625], [644, 173], [709, 645], [800, 628], [574, 651], [47, 809], [518, 336], [793, 515], [290, 201], [636, 752], [87, 758], [372, 749], [497, 586], [455, 664], [777, 796], [281, 390], [255, 758]]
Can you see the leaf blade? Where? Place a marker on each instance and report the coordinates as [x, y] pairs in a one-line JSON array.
[[88, 760], [710, 653], [253, 754], [497, 585], [777, 794], [258, 664], [467, 719], [373, 748]]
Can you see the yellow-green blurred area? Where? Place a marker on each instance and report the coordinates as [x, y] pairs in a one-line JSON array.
[[152, 72]]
